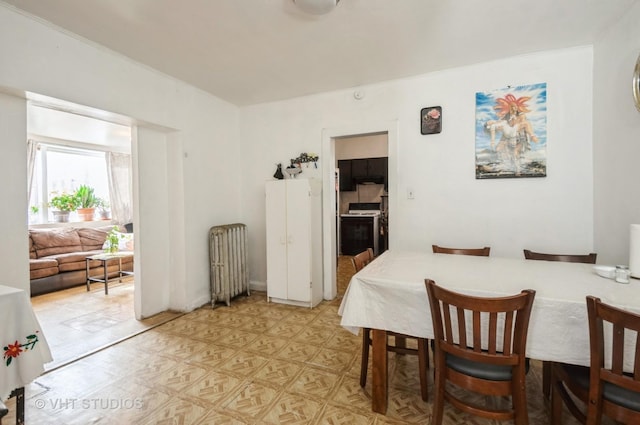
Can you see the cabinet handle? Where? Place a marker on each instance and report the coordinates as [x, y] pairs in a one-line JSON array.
[[283, 241], [290, 239]]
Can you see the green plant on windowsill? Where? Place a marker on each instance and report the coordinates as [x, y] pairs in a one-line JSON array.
[[64, 202], [86, 197]]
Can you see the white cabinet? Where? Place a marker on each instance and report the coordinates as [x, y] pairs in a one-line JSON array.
[[290, 243]]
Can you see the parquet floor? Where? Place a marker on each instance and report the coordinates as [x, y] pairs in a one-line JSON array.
[[251, 363]]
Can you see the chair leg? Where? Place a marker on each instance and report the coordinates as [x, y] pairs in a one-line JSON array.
[[546, 379], [364, 363], [438, 395], [423, 362], [556, 401], [519, 399]]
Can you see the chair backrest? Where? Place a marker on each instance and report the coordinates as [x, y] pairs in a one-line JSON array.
[[588, 258], [479, 252], [476, 328], [624, 324], [362, 259]]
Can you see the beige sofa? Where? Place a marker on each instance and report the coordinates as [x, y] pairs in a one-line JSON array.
[[57, 257]]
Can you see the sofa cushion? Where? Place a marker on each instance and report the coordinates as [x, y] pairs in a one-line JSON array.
[[74, 260], [32, 249], [42, 268], [92, 239], [49, 271], [42, 263], [55, 241]]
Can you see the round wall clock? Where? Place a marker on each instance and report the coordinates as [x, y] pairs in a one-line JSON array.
[[636, 84]]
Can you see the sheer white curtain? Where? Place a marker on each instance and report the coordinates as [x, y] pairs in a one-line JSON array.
[[119, 175], [32, 148]]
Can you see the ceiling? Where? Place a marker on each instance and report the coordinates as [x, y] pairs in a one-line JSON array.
[[254, 51]]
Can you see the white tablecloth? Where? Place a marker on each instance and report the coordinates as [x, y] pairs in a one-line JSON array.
[[24, 347], [390, 294]]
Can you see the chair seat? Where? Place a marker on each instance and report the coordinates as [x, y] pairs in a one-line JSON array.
[[611, 392], [481, 370]]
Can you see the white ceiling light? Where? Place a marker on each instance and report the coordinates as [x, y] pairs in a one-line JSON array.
[[316, 7]]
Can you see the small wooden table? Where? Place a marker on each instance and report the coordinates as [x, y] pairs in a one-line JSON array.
[[106, 278]]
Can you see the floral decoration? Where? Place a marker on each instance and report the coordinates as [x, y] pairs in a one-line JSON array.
[[305, 158], [12, 351]]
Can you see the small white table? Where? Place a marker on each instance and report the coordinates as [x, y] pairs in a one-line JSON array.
[[389, 295], [24, 347], [105, 259]]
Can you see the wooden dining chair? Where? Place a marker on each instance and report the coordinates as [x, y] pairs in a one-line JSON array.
[[567, 258], [604, 387], [399, 340], [479, 252], [480, 346]]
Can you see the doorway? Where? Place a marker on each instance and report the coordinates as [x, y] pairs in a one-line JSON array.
[[330, 196]]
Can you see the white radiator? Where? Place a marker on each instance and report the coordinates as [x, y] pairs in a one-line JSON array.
[[229, 266]]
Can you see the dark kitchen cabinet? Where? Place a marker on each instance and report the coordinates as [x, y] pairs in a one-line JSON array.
[[346, 180], [359, 167], [356, 170]]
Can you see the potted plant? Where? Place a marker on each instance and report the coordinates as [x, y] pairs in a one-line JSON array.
[[87, 202], [103, 208], [63, 203], [113, 241]]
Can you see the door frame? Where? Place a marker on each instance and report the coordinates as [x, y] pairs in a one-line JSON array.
[[329, 136]]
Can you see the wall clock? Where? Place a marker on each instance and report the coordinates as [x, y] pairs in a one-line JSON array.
[[636, 84]]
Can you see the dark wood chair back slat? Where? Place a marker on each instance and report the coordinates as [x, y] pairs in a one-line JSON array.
[[479, 252], [587, 258]]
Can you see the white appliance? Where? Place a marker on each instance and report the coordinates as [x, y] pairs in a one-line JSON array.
[[360, 228], [290, 244]]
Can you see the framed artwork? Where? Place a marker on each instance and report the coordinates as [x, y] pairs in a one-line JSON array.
[[511, 132], [431, 120]]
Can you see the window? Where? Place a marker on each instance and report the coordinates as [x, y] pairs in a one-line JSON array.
[[61, 169]]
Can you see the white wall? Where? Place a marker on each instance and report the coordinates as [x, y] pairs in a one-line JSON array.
[[616, 132], [366, 146], [196, 162], [14, 250], [450, 207]]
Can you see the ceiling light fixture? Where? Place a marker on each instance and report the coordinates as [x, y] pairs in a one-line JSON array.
[[316, 7]]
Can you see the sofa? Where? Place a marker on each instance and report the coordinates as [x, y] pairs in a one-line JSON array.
[[57, 257]]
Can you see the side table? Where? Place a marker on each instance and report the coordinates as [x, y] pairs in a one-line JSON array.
[[107, 277]]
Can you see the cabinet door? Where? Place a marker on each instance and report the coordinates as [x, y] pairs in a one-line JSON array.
[[377, 166], [359, 167], [276, 220], [346, 183], [299, 240]]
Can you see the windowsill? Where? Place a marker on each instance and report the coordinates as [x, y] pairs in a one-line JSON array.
[[94, 223]]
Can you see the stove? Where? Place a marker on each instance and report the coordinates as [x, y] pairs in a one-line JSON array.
[[360, 228], [359, 209]]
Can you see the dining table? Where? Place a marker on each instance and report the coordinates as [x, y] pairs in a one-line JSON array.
[[24, 347], [389, 294]]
